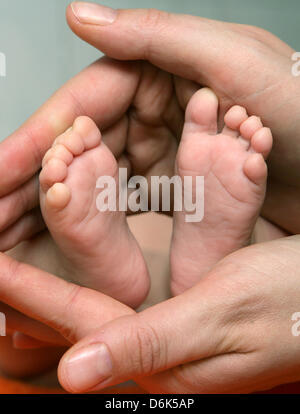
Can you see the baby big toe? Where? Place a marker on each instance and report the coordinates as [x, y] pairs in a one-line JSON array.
[[202, 112], [90, 134]]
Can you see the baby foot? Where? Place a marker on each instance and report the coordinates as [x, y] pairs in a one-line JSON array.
[[95, 249], [235, 175]]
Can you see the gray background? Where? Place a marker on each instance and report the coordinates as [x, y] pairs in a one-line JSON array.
[[42, 52]]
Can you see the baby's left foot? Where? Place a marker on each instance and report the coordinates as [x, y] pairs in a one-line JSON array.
[[95, 249], [235, 175]]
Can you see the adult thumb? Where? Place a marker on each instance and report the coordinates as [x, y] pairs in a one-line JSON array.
[[182, 330], [170, 41]]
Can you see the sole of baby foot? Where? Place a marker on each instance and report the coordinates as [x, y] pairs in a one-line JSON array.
[[235, 174], [96, 249]]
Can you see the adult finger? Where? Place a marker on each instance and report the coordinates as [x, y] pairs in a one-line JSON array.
[[16, 321], [210, 339], [189, 46], [142, 344], [18, 202], [138, 346], [166, 40], [70, 310], [26, 227], [22, 341]]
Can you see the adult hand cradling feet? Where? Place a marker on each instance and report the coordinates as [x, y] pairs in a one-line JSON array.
[[244, 65], [141, 103], [143, 141], [233, 331], [141, 115]]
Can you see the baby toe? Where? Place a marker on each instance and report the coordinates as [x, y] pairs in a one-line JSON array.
[[262, 142], [250, 127], [47, 156], [54, 171], [62, 153], [233, 120], [72, 141], [90, 134]]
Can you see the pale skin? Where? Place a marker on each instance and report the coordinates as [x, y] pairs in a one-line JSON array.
[[240, 333], [161, 53], [80, 156], [232, 163], [88, 241], [264, 88], [93, 246]]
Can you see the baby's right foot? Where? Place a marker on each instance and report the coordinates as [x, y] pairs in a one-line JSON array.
[[235, 173], [95, 249]]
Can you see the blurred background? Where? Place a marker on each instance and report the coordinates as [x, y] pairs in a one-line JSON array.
[[42, 53]]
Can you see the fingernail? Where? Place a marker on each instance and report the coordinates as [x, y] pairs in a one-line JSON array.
[[88, 367], [91, 13]]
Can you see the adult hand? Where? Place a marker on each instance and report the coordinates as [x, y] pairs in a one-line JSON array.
[[233, 331], [142, 106], [34, 334], [32, 286], [244, 65], [22, 354]]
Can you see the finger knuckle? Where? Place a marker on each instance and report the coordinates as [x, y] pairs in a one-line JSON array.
[[153, 22], [245, 301], [187, 380], [13, 271], [148, 350], [153, 18], [12, 275]]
